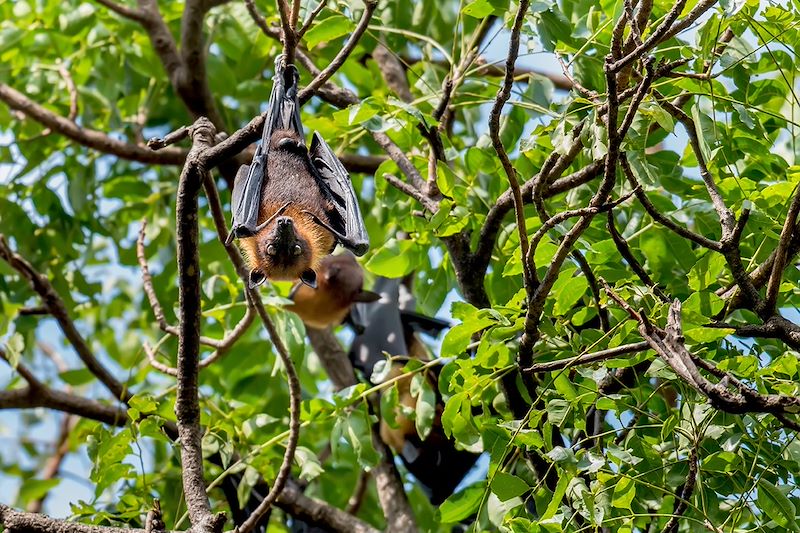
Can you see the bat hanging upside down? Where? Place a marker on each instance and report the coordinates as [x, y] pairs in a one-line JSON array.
[[339, 285], [293, 204]]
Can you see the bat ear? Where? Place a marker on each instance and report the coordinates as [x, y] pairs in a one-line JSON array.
[[257, 277], [309, 277], [367, 297]]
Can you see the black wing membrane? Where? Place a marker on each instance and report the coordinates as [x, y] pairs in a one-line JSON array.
[[345, 216], [283, 112]]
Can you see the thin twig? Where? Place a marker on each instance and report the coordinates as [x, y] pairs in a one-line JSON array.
[[360, 490], [782, 252], [342, 55], [55, 305], [588, 358], [658, 216], [310, 19], [220, 346], [682, 500], [626, 253], [157, 143], [502, 97]]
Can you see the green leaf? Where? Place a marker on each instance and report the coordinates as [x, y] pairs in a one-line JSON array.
[[773, 502], [34, 489], [328, 29], [558, 494], [459, 337], [568, 293], [478, 9], [77, 377], [557, 410], [426, 404], [462, 504], [624, 493], [14, 348], [507, 486], [310, 467], [706, 271], [394, 259]]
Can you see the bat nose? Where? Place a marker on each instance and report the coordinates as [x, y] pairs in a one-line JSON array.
[[284, 222]]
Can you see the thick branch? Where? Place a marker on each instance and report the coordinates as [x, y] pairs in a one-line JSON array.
[[291, 373], [669, 345], [20, 522], [93, 139], [316, 512], [191, 80], [187, 407]]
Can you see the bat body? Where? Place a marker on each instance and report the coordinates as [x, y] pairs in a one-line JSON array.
[[390, 326], [340, 281], [291, 243], [293, 204]]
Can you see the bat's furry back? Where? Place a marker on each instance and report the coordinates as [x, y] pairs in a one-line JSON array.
[[291, 245]]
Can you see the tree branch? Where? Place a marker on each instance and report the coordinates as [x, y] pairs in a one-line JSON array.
[[284, 471], [682, 500], [55, 305], [588, 358], [342, 55], [782, 253], [502, 97], [187, 407], [669, 345], [392, 496], [221, 346], [93, 139]]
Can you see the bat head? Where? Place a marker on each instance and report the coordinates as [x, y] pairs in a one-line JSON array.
[[339, 285], [343, 277], [288, 141], [282, 253]]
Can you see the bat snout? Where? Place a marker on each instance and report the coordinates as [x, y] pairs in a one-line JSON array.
[[284, 229]]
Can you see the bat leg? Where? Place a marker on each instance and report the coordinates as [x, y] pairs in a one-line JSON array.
[[278, 213]]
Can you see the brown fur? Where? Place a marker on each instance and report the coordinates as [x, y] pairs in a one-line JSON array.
[[339, 285], [290, 180]]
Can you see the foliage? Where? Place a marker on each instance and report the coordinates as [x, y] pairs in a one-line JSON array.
[[74, 213]]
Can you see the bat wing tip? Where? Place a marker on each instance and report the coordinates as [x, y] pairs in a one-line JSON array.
[[359, 248]]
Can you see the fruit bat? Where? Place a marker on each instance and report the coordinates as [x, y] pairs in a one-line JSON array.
[[340, 282], [390, 326], [293, 204]]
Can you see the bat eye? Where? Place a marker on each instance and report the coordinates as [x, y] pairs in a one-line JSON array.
[[297, 250], [271, 250]]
